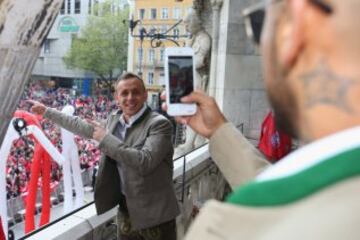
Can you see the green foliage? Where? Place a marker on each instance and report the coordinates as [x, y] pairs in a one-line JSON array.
[[102, 45]]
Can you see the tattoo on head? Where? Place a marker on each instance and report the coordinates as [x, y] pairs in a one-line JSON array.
[[323, 86]]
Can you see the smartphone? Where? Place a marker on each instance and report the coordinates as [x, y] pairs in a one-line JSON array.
[[179, 79]]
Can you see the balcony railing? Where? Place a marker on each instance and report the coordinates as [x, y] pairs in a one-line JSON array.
[[83, 223]]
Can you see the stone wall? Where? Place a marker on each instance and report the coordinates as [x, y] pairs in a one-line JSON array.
[[239, 81]]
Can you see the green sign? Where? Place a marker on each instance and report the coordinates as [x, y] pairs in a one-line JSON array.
[[68, 24]]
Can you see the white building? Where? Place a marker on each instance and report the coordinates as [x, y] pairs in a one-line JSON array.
[[50, 66]]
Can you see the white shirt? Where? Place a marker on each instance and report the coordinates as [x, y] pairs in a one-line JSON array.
[[121, 132], [132, 119]]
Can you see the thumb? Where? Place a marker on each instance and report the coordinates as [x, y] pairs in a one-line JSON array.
[[198, 97]]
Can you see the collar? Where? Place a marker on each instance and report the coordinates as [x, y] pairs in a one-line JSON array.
[[133, 118], [304, 172]]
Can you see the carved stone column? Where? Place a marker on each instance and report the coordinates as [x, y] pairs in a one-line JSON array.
[[216, 7], [24, 25]]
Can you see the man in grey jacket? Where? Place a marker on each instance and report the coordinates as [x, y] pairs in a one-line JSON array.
[[136, 166]]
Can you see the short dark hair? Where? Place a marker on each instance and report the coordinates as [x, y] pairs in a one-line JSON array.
[[129, 75]]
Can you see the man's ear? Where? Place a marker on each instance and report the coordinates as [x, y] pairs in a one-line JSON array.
[[292, 35]]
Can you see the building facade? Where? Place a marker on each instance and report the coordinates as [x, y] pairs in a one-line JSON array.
[[156, 16], [72, 17]]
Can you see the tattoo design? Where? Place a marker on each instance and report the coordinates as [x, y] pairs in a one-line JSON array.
[[323, 86]]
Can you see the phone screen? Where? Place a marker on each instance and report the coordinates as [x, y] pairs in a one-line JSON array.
[[180, 77]]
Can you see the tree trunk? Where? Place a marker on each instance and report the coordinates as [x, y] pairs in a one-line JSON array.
[[24, 25]]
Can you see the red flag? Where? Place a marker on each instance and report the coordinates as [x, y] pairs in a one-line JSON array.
[[273, 143], [2, 234]]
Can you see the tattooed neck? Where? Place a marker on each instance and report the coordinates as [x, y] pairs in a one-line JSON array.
[[322, 86]]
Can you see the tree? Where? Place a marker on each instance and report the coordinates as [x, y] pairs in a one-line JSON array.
[[101, 47]]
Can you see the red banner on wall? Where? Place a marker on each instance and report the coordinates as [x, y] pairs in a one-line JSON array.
[[273, 143], [2, 234]]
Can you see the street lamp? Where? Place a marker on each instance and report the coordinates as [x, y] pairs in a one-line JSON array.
[[155, 36]]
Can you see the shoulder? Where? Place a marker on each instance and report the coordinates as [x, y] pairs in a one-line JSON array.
[[156, 118], [156, 122]]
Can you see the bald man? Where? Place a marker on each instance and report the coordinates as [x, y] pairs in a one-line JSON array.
[[311, 53]]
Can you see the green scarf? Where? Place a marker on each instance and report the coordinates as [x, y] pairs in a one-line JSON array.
[[300, 185]]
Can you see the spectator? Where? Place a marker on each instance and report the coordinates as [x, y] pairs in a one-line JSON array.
[[21, 154]]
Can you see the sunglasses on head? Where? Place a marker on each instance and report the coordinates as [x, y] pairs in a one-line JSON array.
[[254, 17]]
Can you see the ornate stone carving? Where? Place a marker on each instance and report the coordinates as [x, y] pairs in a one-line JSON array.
[[216, 4], [198, 5], [211, 185], [200, 41]]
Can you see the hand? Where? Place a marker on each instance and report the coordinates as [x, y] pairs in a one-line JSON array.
[[99, 131], [208, 117], [37, 107]]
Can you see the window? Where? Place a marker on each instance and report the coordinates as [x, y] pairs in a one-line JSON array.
[[140, 55], [152, 30], [189, 10], [155, 102], [96, 8], [153, 13], [69, 6], [163, 29], [151, 55], [150, 78], [62, 9], [113, 8], [138, 71], [186, 32], [141, 14], [177, 13], [176, 33], [89, 7], [47, 46], [77, 6], [162, 55], [162, 79], [165, 13]]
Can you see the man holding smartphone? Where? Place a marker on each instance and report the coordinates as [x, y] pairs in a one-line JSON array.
[[136, 167], [310, 62]]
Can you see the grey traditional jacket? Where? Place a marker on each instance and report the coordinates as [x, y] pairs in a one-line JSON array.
[[145, 160], [298, 199]]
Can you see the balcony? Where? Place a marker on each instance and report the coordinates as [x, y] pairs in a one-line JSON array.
[[190, 170]]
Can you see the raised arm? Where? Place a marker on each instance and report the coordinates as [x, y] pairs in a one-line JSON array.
[[236, 157], [75, 125]]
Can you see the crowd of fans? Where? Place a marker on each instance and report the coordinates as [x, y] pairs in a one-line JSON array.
[[18, 166]]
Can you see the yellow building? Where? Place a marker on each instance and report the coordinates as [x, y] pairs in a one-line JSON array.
[[155, 16]]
